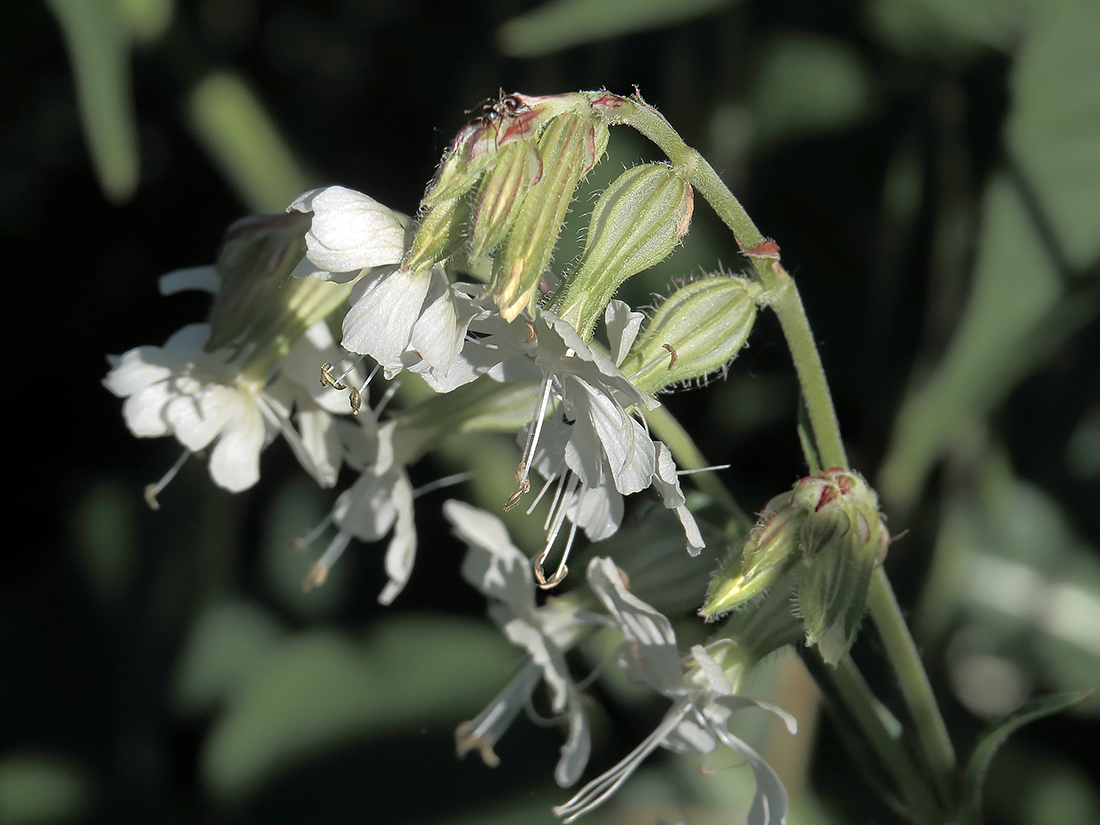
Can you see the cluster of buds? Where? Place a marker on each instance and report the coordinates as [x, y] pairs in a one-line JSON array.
[[829, 530]]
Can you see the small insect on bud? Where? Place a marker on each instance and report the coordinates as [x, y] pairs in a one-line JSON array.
[[697, 331], [569, 147], [637, 222]]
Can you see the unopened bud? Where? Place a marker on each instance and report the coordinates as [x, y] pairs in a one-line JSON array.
[[438, 237], [501, 196], [697, 331], [771, 549], [260, 309], [636, 223], [568, 148], [845, 538]]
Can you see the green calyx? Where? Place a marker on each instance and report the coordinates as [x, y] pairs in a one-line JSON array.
[[695, 332], [637, 222]]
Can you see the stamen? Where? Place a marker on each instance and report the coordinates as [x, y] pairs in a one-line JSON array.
[[531, 329], [327, 380], [703, 469], [529, 446], [320, 569], [314, 534], [568, 498], [356, 396], [390, 392], [153, 490], [440, 483]]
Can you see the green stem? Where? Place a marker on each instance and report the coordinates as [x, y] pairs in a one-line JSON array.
[[915, 688], [704, 179], [782, 296], [689, 457], [882, 732]]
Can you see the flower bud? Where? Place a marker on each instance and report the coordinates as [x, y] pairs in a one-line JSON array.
[[637, 222], [439, 235], [259, 308], [698, 330], [845, 538], [833, 521], [502, 193], [568, 148], [770, 550]]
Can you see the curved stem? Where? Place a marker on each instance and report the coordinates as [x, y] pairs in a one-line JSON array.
[[902, 652]]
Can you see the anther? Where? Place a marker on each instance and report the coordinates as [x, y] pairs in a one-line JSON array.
[[356, 399], [530, 329], [327, 380], [153, 490]]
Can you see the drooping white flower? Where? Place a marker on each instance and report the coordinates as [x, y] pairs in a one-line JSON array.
[[703, 699], [499, 570], [592, 443], [379, 501], [349, 232], [204, 398], [408, 320]]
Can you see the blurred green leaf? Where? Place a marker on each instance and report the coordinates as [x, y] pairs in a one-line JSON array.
[[1015, 285], [807, 85], [953, 27], [562, 24], [147, 20], [1083, 448], [1010, 572], [98, 43], [977, 767], [103, 537], [245, 143], [1053, 126], [228, 642], [321, 689], [41, 790]]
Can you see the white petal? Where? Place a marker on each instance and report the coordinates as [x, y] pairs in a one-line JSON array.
[[367, 509], [198, 418], [622, 328], [492, 564], [144, 411], [137, 369], [657, 661], [578, 745], [203, 278], [384, 310], [401, 552], [321, 443], [235, 460], [350, 231]]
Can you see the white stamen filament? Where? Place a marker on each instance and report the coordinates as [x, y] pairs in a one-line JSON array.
[[153, 490], [314, 534]]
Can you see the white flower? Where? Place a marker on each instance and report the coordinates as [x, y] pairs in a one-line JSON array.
[[381, 499], [703, 700], [349, 232], [202, 398], [596, 448], [406, 319], [499, 570]]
